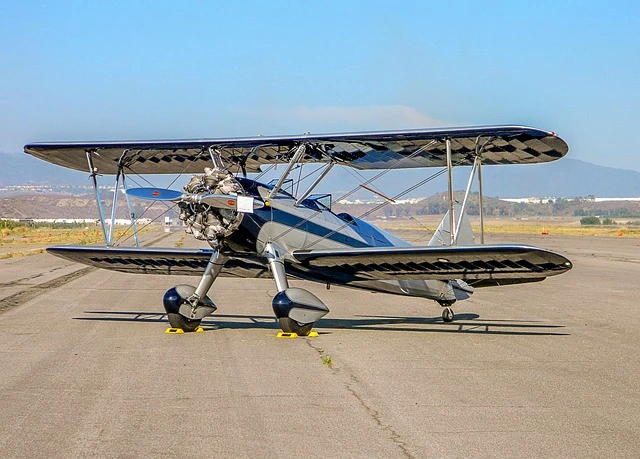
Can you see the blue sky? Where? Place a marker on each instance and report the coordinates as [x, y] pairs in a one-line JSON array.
[[142, 70]]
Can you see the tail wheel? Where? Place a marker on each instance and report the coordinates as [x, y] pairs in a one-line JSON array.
[[180, 321], [447, 315], [289, 325]]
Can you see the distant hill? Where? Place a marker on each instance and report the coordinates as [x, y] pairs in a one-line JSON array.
[[62, 205], [565, 178], [22, 169], [438, 205]]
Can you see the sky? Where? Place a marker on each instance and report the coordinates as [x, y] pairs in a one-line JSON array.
[[137, 70]]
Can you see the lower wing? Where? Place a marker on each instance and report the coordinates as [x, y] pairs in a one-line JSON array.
[[478, 265], [160, 261]]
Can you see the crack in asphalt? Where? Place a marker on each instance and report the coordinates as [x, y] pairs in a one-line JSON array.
[[350, 385]]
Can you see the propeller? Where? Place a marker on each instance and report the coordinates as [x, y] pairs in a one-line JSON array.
[[219, 201]]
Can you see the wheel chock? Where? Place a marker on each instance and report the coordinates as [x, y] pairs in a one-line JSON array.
[[179, 331], [312, 334], [174, 331], [287, 335]]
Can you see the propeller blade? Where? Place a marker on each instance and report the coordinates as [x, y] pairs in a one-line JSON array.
[[232, 202], [157, 194], [219, 201]]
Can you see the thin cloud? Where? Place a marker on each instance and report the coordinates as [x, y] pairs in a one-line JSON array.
[[340, 118]]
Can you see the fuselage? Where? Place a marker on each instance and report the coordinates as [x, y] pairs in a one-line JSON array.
[[311, 224]]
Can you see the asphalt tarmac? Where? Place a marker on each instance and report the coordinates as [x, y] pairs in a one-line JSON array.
[[542, 370]]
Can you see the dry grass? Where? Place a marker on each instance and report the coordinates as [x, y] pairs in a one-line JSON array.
[[24, 241], [23, 235], [5, 256], [612, 231], [518, 226]]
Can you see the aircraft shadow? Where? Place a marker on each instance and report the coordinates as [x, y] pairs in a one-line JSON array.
[[464, 323]]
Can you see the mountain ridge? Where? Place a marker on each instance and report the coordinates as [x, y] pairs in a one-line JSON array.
[[567, 177]]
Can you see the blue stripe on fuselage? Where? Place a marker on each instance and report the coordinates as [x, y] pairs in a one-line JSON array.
[[372, 236], [309, 226], [369, 233]]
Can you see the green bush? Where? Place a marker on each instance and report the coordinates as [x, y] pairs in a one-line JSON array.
[[590, 221]]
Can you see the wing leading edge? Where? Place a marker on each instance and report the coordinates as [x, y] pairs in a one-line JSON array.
[[364, 150], [478, 265]]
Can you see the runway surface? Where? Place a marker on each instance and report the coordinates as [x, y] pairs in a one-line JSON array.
[[543, 370]]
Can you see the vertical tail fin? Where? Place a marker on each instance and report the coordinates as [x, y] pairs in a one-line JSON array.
[[442, 236]]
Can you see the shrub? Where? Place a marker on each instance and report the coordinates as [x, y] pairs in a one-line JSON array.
[[590, 221]]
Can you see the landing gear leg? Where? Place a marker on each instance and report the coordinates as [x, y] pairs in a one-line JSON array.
[[186, 305], [295, 308]]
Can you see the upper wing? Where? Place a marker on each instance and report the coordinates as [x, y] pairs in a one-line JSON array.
[[366, 150], [478, 265]]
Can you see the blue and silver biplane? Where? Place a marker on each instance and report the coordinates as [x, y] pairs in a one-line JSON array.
[[257, 230]]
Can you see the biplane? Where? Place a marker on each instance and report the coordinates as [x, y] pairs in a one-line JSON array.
[[256, 229]]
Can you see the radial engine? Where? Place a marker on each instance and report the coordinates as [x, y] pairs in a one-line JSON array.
[[203, 221]]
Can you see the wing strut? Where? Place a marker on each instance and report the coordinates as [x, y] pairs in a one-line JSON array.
[[131, 213], [478, 161], [296, 157], [480, 198], [450, 180], [93, 172], [114, 203], [464, 201], [120, 172], [322, 175], [476, 168]]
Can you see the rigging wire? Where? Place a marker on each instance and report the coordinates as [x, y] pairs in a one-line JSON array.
[[168, 206], [265, 171], [143, 227], [395, 166], [380, 206]]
